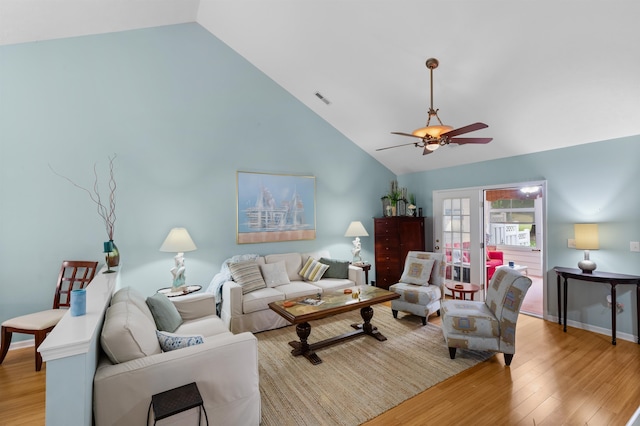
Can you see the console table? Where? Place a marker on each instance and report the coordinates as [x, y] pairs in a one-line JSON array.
[[599, 277]]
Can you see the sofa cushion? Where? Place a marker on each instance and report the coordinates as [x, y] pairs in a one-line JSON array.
[[259, 300], [274, 274], [165, 315], [206, 326], [299, 289], [337, 268], [417, 271], [128, 294], [128, 334], [328, 284], [169, 341], [248, 275], [292, 261], [313, 270]]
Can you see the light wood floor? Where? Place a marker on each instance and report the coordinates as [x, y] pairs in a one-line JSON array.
[[556, 378]]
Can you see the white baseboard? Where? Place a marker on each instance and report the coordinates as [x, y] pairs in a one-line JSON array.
[[606, 331], [22, 344], [635, 419]]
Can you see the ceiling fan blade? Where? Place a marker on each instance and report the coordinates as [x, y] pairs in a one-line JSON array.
[[462, 141], [466, 129], [396, 146], [405, 134]]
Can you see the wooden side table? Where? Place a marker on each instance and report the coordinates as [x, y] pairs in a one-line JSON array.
[[613, 279], [462, 289], [174, 401], [366, 267]]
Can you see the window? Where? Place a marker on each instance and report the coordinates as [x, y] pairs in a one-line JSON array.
[[512, 216]]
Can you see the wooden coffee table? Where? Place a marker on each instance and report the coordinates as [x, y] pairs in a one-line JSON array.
[[462, 289], [333, 303]]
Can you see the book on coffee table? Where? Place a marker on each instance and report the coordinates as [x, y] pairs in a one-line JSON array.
[[312, 302]]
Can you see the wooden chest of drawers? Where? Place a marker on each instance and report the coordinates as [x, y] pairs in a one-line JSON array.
[[394, 238]]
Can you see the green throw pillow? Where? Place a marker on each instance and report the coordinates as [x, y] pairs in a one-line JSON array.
[[164, 312], [337, 268]]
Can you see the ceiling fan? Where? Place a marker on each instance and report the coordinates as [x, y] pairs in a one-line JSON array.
[[432, 137]]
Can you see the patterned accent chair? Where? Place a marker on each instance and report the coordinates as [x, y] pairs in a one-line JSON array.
[[421, 286], [489, 325]]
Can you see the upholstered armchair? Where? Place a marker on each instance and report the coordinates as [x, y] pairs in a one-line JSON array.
[[488, 325], [494, 259], [421, 286]]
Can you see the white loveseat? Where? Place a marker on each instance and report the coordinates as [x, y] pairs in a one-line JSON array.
[[250, 311], [134, 367]]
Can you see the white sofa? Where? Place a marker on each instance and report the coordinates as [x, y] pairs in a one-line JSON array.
[[224, 367], [250, 312]]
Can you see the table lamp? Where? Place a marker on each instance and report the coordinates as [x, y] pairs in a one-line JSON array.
[[586, 236], [356, 229], [178, 241]]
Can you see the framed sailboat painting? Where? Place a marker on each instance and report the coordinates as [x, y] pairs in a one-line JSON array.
[[275, 207]]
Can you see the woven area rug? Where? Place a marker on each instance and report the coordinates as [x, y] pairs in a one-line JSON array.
[[358, 379]]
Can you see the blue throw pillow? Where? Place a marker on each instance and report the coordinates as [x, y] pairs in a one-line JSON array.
[[169, 341]]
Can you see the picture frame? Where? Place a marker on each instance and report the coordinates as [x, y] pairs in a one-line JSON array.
[[275, 207]]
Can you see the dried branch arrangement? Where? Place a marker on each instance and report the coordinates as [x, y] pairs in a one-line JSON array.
[[107, 213]]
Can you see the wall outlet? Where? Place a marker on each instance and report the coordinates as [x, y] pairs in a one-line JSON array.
[[571, 243], [634, 246]]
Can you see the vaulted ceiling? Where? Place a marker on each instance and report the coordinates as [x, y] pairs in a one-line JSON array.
[[542, 74]]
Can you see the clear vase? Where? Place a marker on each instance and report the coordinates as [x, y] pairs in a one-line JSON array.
[[113, 257]]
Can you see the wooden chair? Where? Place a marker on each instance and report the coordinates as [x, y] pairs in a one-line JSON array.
[[73, 275]]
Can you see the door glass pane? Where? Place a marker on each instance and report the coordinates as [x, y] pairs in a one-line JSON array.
[[512, 220], [466, 210], [456, 231]]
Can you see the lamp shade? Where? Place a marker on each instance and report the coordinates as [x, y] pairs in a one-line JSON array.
[[178, 241], [586, 236], [356, 229]]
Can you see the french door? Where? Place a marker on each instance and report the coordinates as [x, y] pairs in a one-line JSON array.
[[457, 233]]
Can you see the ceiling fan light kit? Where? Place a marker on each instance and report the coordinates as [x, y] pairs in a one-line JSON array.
[[439, 134], [433, 131]]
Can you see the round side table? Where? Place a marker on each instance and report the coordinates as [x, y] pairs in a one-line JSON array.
[[170, 292], [462, 289]]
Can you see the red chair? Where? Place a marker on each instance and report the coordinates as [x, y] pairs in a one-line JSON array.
[[494, 259]]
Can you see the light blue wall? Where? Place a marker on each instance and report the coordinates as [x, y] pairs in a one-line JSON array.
[[183, 113], [596, 182]]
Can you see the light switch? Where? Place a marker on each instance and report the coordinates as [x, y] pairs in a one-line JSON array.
[[571, 243], [634, 246]]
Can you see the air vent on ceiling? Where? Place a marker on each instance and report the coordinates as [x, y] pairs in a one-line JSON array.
[[322, 98]]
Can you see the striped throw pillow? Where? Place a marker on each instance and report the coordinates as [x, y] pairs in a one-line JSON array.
[[313, 270], [248, 275]]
